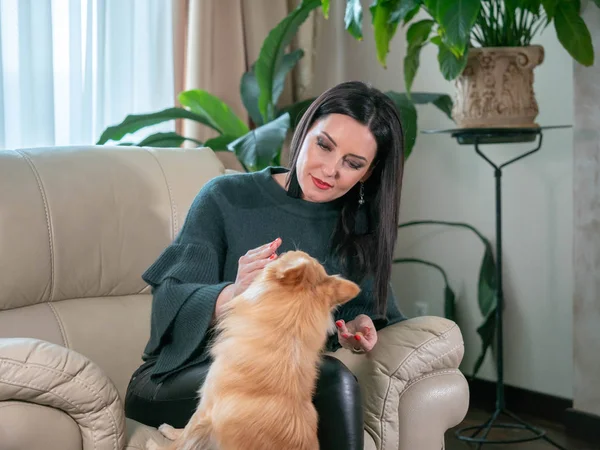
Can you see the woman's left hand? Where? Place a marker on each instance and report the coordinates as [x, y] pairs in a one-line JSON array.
[[358, 335]]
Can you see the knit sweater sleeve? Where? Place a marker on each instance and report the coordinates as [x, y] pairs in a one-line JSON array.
[[186, 280]]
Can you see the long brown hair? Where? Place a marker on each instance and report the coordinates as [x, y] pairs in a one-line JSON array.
[[365, 237]]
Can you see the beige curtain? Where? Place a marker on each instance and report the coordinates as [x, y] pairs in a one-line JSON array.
[[218, 40]]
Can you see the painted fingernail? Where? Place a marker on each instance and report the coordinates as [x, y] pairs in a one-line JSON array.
[[357, 337], [345, 335], [339, 323], [273, 256]]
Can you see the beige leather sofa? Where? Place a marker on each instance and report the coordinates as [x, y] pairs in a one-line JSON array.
[[78, 226]]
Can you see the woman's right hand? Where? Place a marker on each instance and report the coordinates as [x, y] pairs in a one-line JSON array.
[[249, 267], [251, 264]]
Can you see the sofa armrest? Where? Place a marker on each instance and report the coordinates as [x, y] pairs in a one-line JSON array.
[[419, 355], [47, 374]]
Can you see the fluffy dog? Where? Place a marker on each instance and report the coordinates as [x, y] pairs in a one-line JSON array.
[[258, 391]]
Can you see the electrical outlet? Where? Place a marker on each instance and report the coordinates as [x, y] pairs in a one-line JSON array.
[[421, 309]]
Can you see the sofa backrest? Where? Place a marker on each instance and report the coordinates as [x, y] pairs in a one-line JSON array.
[[78, 227]]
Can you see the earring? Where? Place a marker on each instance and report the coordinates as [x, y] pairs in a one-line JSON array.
[[361, 199]]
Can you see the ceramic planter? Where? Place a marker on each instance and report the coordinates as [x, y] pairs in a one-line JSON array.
[[496, 88]]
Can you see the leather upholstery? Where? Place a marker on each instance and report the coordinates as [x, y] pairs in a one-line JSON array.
[[78, 226]]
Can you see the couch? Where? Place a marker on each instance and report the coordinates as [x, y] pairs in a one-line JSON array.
[[78, 226]]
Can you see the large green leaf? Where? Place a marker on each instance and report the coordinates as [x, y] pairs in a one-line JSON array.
[[404, 9], [486, 331], [457, 18], [250, 92], [408, 116], [325, 5], [288, 62], [550, 8], [416, 36], [271, 55], [383, 29], [449, 303], [220, 142], [220, 115], [135, 122], [296, 111], [442, 101], [260, 147], [487, 282], [168, 139], [450, 65], [573, 33], [353, 18]]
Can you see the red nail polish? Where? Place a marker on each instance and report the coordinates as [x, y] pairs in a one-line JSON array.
[[339, 324], [273, 256], [345, 335], [357, 337]]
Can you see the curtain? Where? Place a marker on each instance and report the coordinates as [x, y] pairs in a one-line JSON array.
[[71, 68]]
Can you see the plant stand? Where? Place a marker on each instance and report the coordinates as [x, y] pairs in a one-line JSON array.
[[478, 434]]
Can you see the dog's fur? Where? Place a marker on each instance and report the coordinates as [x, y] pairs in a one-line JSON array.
[[258, 391]]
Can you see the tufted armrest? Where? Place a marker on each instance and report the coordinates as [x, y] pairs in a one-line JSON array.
[[411, 386], [47, 374]]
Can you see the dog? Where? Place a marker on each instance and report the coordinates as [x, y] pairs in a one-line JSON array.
[[258, 392]]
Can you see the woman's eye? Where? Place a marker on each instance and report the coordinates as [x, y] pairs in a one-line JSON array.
[[322, 144], [354, 165]]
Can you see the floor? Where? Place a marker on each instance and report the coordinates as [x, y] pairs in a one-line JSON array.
[[554, 431]]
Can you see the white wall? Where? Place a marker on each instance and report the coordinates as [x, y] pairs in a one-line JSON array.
[[450, 182]]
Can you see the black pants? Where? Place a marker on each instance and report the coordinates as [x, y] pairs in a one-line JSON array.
[[337, 401]]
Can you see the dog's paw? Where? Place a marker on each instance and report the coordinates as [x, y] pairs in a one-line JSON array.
[[169, 432], [151, 445]]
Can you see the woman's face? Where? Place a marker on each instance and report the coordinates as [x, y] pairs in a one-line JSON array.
[[336, 154]]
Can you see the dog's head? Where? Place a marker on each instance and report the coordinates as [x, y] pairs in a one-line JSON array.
[[298, 273]]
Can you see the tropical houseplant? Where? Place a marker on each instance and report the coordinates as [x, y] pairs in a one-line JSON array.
[[484, 45]]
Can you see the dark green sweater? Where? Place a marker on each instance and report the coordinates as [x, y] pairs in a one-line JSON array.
[[231, 215]]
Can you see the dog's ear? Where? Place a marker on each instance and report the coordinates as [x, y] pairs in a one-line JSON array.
[[293, 271], [340, 290]]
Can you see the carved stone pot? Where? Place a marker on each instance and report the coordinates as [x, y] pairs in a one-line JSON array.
[[496, 88]]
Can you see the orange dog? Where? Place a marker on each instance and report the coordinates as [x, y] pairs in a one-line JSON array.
[[258, 391]]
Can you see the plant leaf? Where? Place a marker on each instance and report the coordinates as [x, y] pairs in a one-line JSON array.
[[249, 91], [408, 116], [486, 331], [135, 122], [296, 111], [442, 101], [550, 8], [353, 18], [271, 55], [597, 2], [325, 5], [416, 36], [487, 282], [220, 142], [450, 65], [449, 303], [403, 10], [457, 18], [573, 33], [220, 115], [168, 139], [288, 62], [383, 30], [260, 147]]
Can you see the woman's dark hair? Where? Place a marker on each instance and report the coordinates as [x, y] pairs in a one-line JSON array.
[[365, 249]]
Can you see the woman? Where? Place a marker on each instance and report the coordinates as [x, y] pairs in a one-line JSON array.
[[339, 203]]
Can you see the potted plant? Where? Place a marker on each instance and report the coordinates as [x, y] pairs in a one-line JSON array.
[[484, 45]]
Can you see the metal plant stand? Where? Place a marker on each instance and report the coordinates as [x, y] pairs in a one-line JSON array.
[[478, 434]]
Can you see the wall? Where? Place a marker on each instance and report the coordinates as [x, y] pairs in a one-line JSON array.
[[586, 233], [450, 182]]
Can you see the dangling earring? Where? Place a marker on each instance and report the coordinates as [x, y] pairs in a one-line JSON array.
[[361, 199]]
